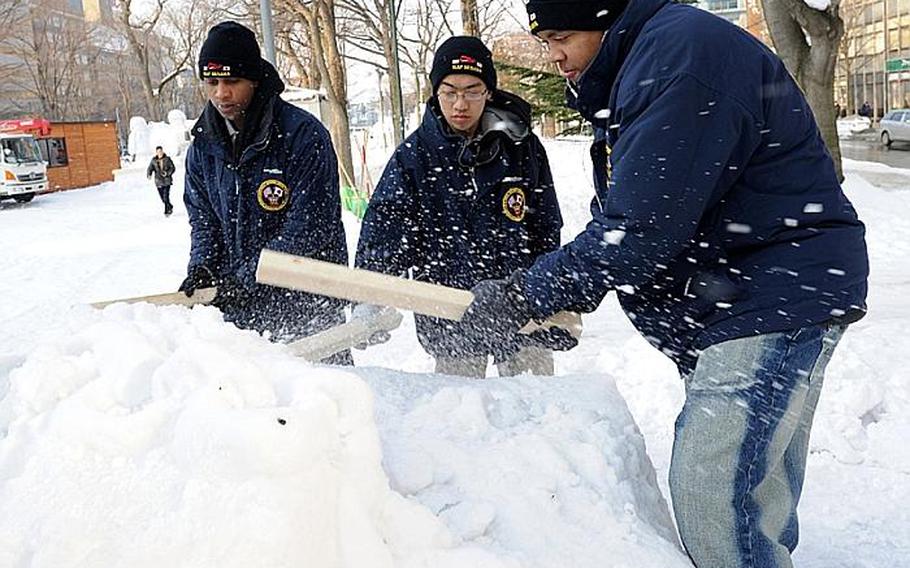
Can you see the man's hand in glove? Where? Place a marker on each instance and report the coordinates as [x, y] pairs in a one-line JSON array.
[[231, 294], [368, 314], [499, 311], [199, 277]]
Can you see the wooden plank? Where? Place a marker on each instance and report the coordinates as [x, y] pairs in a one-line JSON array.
[[321, 345], [201, 296], [364, 286]]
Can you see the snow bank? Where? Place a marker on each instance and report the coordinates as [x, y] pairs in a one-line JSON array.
[[552, 472], [145, 136], [852, 124], [164, 437]]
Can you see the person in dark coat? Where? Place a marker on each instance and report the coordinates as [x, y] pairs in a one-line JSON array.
[[162, 167], [720, 223], [261, 173], [466, 197]]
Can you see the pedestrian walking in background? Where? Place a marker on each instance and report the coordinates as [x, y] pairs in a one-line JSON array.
[[162, 168]]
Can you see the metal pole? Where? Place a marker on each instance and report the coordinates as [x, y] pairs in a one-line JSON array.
[[268, 37], [886, 90], [393, 25]]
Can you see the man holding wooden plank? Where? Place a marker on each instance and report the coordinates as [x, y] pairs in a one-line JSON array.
[[261, 173], [720, 223], [467, 197]]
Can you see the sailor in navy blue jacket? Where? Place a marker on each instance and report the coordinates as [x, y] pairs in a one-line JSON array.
[[454, 209], [261, 176], [718, 213], [721, 224]]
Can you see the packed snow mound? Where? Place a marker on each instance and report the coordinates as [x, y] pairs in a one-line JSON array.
[[145, 136], [549, 471], [161, 436]]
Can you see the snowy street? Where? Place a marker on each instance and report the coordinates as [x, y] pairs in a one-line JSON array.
[[117, 449]]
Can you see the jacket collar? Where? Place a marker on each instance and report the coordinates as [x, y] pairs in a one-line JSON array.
[[591, 95]]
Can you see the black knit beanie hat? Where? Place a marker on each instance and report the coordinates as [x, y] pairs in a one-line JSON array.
[[578, 15], [230, 51], [463, 55]]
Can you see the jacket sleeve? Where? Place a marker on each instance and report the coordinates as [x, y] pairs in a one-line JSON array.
[[151, 169], [673, 160], [170, 168], [389, 236], [206, 246], [312, 226], [547, 220]]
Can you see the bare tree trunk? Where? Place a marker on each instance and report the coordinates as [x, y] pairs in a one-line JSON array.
[[394, 80], [469, 21], [140, 52], [807, 40], [320, 21], [46, 58], [338, 78], [142, 37]]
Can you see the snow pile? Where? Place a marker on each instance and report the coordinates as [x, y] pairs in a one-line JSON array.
[[866, 396], [820, 5], [853, 124], [164, 437], [552, 472], [172, 136]]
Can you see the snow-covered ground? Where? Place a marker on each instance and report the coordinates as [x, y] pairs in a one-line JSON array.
[[143, 436]]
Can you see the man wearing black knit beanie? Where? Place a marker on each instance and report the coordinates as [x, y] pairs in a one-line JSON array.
[[468, 196], [260, 173], [720, 223]]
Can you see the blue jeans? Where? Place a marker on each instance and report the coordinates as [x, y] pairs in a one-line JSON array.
[[739, 455]]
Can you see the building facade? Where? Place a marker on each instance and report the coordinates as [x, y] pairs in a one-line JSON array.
[[874, 62], [732, 10], [68, 60]]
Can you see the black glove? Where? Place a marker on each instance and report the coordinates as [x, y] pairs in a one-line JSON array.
[[199, 277], [231, 294], [498, 312], [552, 338]]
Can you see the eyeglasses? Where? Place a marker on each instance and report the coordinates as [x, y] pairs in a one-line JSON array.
[[470, 96]]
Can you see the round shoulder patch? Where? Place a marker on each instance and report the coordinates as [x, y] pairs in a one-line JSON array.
[[273, 195], [514, 204]]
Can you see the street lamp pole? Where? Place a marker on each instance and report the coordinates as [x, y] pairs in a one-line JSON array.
[[268, 37], [886, 84]]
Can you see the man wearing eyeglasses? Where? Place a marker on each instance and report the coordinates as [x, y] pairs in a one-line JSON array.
[[467, 197]]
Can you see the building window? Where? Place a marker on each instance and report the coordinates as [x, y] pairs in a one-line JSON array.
[[718, 5], [53, 151]]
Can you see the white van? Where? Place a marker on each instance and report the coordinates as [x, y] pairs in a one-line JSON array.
[[23, 173]]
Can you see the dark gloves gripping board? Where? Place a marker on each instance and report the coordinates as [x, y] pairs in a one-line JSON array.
[[499, 310], [231, 293]]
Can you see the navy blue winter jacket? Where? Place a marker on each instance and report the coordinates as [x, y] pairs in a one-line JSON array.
[[454, 211], [276, 189], [718, 212]]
